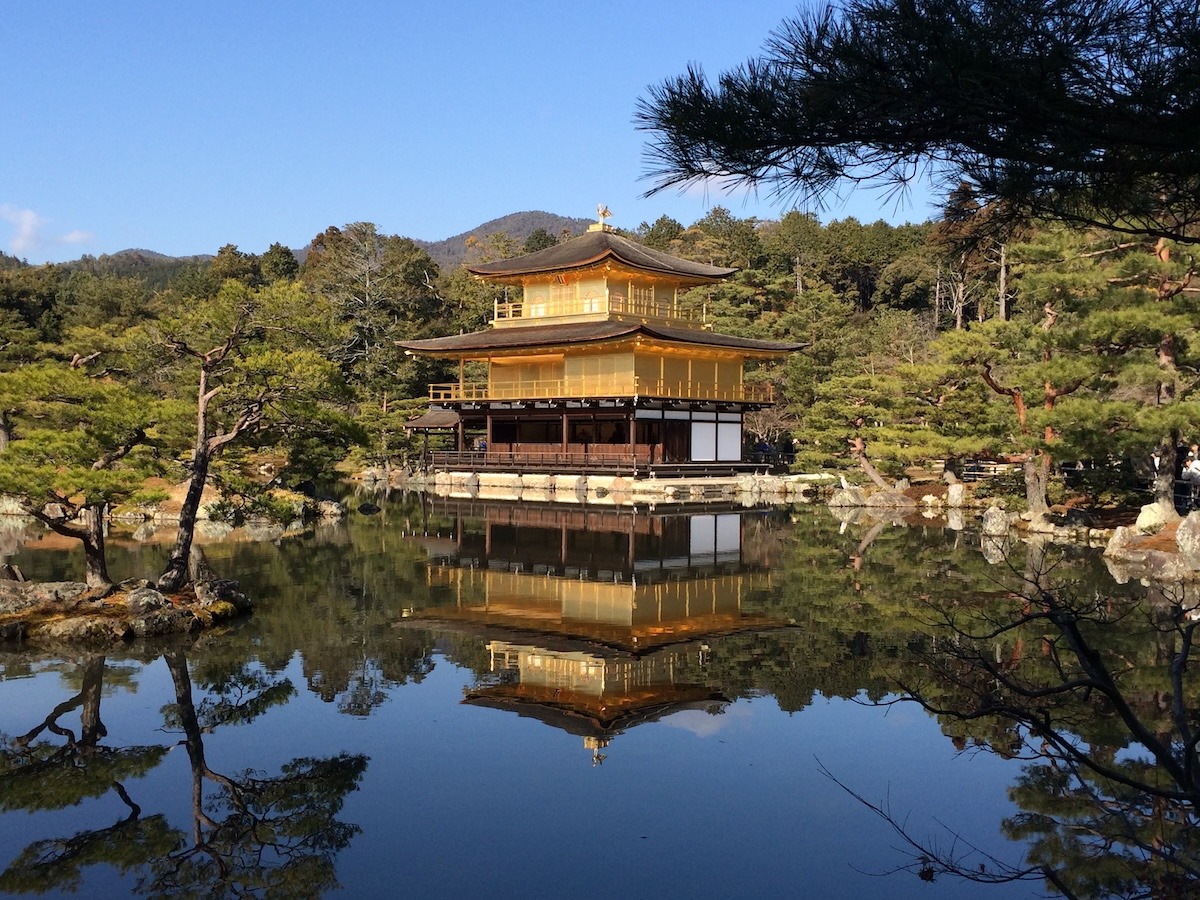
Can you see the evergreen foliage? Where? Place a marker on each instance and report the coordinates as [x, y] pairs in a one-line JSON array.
[[1080, 111]]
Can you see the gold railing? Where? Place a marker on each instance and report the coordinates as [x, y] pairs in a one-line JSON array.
[[506, 312], [599, 386], [652, 309]]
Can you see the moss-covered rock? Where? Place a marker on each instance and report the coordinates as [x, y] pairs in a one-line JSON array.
[[71, 613]]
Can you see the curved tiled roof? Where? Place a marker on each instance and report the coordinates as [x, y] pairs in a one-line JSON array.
[[435, 417], [592, 248], [586, 333]]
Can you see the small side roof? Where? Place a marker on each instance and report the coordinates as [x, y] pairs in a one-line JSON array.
[[593, 248], [434, 417]]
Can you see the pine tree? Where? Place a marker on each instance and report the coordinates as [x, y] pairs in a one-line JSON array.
[[79, 445]]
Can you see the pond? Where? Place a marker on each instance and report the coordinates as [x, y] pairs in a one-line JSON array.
[[450, 699]]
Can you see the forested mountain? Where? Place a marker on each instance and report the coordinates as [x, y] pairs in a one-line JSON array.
[[156, 269], [518, 226]]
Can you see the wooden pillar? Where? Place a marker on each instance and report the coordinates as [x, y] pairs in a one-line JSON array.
[[564, 430], [631, 431], [691, 451]]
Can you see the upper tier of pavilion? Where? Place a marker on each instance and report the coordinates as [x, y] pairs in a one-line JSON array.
[[598, 276]]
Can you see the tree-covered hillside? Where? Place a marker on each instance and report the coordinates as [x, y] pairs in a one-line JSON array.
[[950, 340], [455, 250]]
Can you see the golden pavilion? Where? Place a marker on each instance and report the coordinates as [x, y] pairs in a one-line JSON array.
[[594, 364]]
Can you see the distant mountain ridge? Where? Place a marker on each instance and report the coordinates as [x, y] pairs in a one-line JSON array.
[[137, 251], [452, 251], [448, 253]]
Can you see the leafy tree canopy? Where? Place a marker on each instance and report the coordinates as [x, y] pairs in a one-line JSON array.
[[279, 262]]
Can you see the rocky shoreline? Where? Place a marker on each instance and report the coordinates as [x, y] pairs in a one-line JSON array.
[[42, 613], [1144, 544]]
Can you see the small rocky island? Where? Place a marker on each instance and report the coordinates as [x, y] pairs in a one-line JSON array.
[[35, 613]]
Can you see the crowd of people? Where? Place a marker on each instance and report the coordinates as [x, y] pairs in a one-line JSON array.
[[1187, 474]]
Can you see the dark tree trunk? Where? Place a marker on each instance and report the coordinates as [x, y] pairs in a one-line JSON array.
[[198, 568], [93, 546], [89, 530], [1164, 479], [175, 575], [858, 449]]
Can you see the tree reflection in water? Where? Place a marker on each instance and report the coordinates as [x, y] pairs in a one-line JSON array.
[[1094, 691], [251, 835], [41, 774]]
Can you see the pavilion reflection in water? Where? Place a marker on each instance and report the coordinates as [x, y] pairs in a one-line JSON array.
[[595, 620]]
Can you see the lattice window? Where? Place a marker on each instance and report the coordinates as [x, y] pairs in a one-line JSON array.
[[561, 295]]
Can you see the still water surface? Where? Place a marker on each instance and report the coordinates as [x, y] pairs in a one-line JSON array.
[[458, 700]]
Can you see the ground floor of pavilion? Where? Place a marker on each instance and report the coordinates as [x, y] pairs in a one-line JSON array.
[[620, 436]]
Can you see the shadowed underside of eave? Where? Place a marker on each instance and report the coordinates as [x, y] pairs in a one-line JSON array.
[[584, 333]]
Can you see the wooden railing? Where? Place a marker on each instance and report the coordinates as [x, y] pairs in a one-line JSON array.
[[507, 312], [550, 457], [611, 459], [599, 386]]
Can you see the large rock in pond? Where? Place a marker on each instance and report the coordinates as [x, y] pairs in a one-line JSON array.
[[221, 598], [166, 620], [18, 596], [1187, 536], [892, 500], [1122, 537], [145, 600], [848, 497], [1153, 517], [331, 509], [83, 630], [994, 522], [956, 495]]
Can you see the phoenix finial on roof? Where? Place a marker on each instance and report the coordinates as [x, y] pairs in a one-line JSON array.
[[602, 212]]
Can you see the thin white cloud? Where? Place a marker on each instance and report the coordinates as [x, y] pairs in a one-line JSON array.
[[75, 237], [703, 724], [27, 225], [28, 231]]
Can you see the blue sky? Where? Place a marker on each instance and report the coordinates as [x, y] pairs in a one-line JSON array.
[[182, 127]]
